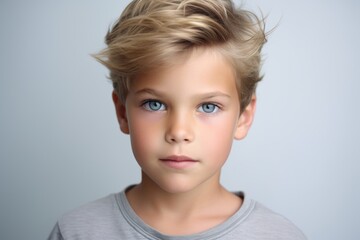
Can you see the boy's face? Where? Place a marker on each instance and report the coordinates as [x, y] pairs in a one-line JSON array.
[[182, 122]]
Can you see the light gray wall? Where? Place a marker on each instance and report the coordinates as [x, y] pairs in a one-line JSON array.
[[60, 145]]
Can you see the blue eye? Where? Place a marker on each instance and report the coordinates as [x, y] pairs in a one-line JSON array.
[[208, 108], [154, 105]]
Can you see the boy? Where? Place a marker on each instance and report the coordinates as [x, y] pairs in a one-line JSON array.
[[184, 75]]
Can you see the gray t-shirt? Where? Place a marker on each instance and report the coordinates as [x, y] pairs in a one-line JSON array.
[[112, 218]]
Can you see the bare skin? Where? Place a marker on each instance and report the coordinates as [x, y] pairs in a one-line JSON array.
[[183, 214], [191, 111]]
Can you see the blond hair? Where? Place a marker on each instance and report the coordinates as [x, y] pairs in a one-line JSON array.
[[155, 33]]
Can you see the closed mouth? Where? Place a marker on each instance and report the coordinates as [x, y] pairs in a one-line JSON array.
[[178, 162], [175, 158]]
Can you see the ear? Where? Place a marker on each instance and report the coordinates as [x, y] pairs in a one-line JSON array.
[[121, 113], [245, 120]]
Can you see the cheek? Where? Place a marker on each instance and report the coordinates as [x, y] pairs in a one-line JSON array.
[[218, 136], [218, 145], [144, 134]]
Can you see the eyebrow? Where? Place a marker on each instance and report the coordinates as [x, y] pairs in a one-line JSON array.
[[149, 91], [204, 96], [214, 94]]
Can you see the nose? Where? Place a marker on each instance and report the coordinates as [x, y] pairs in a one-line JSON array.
[[179, 128]]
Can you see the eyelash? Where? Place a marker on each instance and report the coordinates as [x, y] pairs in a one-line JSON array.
[[146, 105], [215, 110]]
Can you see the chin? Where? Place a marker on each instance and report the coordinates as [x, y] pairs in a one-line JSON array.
[[177, 187]]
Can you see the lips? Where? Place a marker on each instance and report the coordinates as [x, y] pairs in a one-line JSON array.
[[178, 162], [178, 159]]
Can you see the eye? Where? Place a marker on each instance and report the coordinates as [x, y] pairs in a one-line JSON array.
[[153, 105], [208, 108]]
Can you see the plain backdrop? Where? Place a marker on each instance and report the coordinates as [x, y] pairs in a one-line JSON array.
[[60, 145]]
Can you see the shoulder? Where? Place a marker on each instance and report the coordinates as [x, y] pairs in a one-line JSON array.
[[91, 219], [272, 225], [91, 210]]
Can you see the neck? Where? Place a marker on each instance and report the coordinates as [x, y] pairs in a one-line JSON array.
[[208, 203], [148, 196]]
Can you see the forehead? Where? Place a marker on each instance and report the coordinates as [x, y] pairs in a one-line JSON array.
[[201, 70]]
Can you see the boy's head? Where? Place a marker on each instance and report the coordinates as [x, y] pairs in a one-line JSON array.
[[156, 34]]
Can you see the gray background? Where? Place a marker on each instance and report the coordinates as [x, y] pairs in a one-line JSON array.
[[60, 145]]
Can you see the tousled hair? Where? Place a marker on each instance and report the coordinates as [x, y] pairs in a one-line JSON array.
[[151, 34]]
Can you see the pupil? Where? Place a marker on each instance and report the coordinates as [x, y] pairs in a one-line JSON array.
[[154, 105], [208, 107]]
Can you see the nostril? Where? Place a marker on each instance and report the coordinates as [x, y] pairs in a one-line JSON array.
[[178, 140], [178, 132]]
